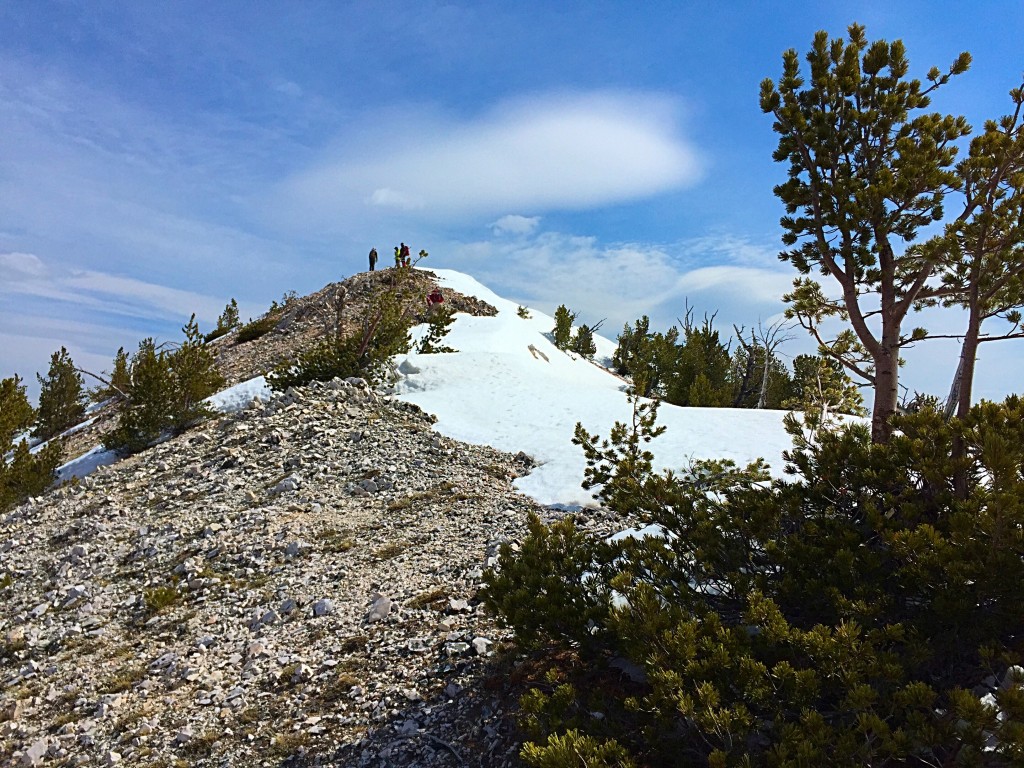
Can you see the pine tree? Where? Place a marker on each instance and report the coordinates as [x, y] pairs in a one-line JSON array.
[[227, 322], [702, 393], [980, 255], [823, 391], [147, 414], [701, 355], [118, 381], [194, 377], [16, 413], [562, 331], [229, 317], [860, 179], [22, 473], [583, 342], [120, 377], [60, 397], [166, 391]]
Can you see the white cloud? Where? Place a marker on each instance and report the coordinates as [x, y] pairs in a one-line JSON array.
[[515, 225], [572, 151], [15, 266]]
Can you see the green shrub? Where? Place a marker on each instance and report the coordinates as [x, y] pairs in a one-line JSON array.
[[254, 329], [440, 324], [157, 599], [548, 591], [845, 617], [573, 749], [215, 334]]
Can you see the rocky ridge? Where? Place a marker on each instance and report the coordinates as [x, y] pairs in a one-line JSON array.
[[297, 326], [292, 584]]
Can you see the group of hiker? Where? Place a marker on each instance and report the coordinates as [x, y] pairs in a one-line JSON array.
[[402, 257]]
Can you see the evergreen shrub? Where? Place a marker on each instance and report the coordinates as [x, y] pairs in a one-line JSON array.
[[254, 329], [441, 319], [860, 613]]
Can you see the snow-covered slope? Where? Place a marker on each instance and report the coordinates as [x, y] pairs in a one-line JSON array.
[[509, 387]]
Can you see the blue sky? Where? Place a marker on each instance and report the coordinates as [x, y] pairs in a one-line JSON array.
[[159, 159]]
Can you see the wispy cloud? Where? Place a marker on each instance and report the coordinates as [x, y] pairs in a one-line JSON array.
[[44, 306], [623, 281], [26, 275], [570, 151]]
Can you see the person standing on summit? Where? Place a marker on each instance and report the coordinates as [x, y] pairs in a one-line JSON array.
[[373, 259]]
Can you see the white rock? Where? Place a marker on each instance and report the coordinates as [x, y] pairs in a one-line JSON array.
[[34, 754], [380, 609], [323, 607]]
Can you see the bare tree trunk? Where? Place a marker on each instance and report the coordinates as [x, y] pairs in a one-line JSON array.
[[748, 369], [964, 384], [771, 339], [763, 397], [953, 399], [105, 381], [886, 393]]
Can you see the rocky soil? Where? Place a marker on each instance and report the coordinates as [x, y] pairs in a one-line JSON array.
[[293, 584]]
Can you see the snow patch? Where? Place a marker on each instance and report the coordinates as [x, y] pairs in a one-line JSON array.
[[86, 464], [239, 396], [508, 386]]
